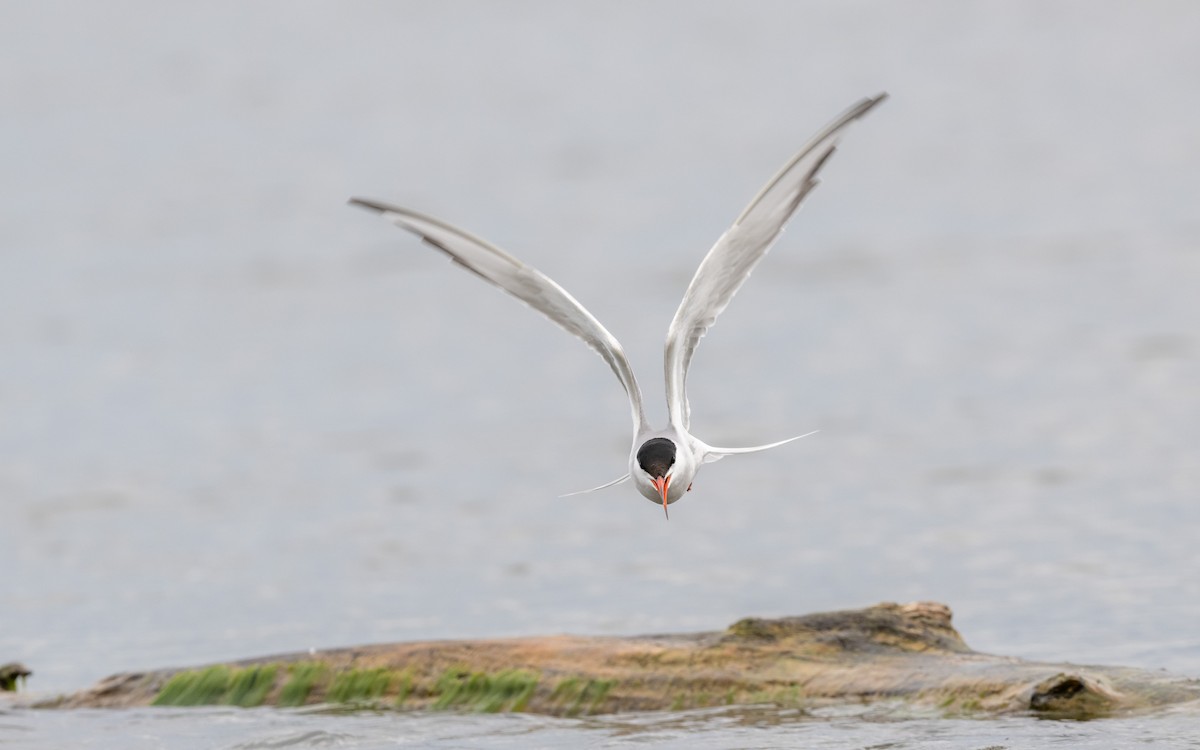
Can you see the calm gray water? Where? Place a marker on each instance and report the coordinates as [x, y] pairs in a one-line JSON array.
[[261, 729], [237, 417]]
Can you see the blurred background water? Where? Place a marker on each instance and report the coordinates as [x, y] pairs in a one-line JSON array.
[[237, 417]]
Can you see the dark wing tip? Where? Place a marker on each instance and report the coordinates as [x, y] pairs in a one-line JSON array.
[[368, 203], [866, 105]]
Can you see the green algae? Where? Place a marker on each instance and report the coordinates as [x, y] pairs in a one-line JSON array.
[[196, 687], [360, 685], [219, 685], [404, 683], [456, 688], [249, 687], [507, 690], [578, 696], [302, 678]]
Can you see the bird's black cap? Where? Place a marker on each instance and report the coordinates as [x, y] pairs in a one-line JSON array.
[[656, 456]]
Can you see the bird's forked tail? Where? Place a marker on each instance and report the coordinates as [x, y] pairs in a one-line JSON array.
[[713, 453]]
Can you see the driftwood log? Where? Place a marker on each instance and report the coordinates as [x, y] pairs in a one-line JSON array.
[[902, 653]]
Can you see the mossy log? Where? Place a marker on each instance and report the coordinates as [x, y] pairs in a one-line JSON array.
[[907, 653]]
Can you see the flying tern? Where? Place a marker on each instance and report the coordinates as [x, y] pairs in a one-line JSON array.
[[662, 463]]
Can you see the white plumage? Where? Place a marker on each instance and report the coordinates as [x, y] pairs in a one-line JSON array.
[[664, 462]]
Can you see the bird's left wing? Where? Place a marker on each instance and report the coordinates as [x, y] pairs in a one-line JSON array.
[[523, 282], [731, 260]]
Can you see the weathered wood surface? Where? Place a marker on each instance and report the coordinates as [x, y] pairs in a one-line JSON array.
[[908, 652]]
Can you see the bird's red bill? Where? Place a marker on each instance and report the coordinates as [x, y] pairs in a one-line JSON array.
[[662, 484]]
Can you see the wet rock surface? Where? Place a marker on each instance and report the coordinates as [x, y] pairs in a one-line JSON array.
[[910, 653], [13, 675]]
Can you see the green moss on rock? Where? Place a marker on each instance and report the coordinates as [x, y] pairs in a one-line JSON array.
[[360, 685], [196, 687], [507, 690], [302, 678], [219, 685]]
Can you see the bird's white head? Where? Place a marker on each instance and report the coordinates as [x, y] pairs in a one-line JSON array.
[[662, 470]]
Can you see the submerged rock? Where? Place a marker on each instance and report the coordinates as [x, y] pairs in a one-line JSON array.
[[909, 653], [12, 674]]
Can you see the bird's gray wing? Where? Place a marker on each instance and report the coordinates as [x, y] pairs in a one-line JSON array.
[[735, 254], [523, 282]]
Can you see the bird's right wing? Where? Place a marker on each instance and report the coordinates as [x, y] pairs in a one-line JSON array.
[[523, 282], [731, 260]]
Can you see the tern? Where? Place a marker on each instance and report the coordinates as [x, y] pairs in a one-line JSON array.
[[662, 463]]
